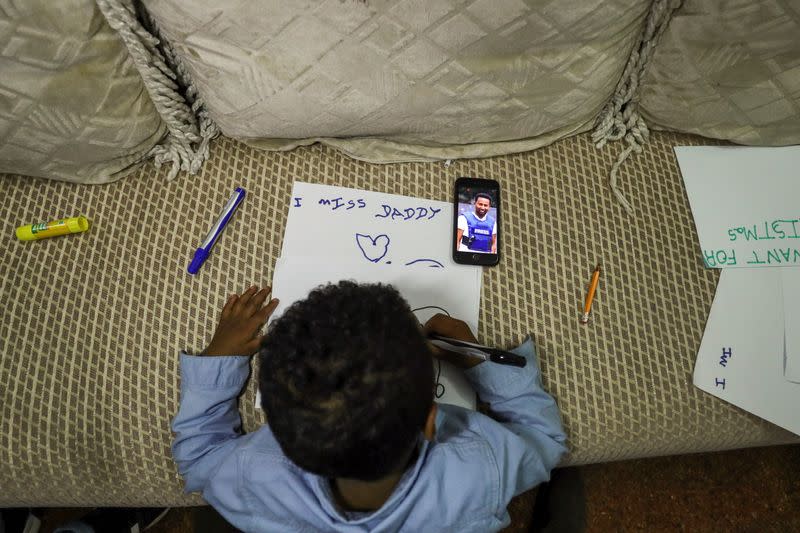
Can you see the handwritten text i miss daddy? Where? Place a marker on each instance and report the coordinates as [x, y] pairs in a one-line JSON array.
[[384, 211], [773, 252]]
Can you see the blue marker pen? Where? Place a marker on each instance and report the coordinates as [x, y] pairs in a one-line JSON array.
[[201, 254]]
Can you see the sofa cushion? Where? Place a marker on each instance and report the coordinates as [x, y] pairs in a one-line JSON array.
[[728, 69], [403, 80], [72, 105]]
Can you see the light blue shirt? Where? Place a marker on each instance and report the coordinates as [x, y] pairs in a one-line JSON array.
[[462, 480]]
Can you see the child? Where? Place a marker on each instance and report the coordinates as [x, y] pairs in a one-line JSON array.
[[355, 440]]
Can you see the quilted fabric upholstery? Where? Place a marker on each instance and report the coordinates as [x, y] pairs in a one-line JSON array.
[[91, 324], [72, 105], [728, 69], [429, 79]]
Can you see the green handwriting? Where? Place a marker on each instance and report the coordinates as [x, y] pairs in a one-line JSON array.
[[715, 258], [775, 256], [767, 230]]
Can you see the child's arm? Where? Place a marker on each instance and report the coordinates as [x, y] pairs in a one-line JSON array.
[[208, 420], [525, 431]]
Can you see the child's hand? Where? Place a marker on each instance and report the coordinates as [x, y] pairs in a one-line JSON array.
[[239, 329], [455, 329]]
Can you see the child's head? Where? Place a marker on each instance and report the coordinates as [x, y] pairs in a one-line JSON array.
[[346, 381]]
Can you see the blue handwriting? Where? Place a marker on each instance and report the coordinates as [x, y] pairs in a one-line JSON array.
[[411, 213], [433, 263], [373, 248], [726, 353], [340, 202]]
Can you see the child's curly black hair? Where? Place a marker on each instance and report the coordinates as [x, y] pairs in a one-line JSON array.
[[346, 381]]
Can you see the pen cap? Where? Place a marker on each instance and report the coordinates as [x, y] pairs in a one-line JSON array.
[[200, 256]]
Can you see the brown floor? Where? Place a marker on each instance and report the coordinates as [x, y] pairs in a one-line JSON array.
[[755, 490], [746, 490]]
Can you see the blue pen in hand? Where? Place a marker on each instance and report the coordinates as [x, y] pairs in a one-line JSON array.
[[201, 254]]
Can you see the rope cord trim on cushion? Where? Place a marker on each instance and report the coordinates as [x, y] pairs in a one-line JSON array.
[[190, 128], [620, 118], [208, 128]]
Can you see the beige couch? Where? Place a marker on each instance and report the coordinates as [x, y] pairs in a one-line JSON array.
[[90, 325]]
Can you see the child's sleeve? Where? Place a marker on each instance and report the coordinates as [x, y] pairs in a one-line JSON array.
[[208, 421], [525, 430]]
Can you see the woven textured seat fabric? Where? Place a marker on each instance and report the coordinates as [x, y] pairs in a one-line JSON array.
[[91, 324]]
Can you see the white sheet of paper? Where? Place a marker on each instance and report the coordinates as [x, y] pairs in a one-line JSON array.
[[741, 354], [370, 227], [790, 278], [744, 202], [456, 292]]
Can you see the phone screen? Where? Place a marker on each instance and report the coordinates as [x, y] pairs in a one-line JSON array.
[[476, 225]]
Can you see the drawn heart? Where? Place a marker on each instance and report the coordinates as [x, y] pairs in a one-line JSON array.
[[373, 248]]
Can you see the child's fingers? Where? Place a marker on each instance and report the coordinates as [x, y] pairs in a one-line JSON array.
[[241, 303], [226, 310], [435, 350], [449, 327], [265, 312], [258, 300], [436, 323]]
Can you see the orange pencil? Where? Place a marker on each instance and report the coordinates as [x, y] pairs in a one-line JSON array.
[[587, 307]]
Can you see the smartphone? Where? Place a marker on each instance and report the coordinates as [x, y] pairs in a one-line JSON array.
[[476, 222]]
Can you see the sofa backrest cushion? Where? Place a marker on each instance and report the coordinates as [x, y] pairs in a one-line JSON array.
[[399, 80], [728, 69], [72, 105]]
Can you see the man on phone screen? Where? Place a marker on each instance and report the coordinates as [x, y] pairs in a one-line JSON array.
[[477, 230]]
